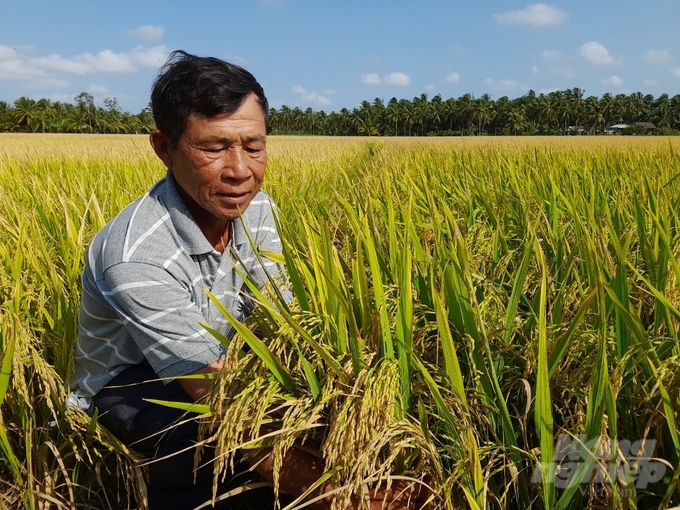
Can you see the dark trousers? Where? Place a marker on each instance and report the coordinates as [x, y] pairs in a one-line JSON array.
[[152, 429]]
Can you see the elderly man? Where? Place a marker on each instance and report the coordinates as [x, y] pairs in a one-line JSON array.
[[148, 269]]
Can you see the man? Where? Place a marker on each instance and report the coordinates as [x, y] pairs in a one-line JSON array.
[[147, 271]]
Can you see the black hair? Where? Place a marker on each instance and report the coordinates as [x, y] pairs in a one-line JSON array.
[[208, 86]]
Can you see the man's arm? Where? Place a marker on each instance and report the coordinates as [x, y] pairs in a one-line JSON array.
[[163, 320], [198, 389]]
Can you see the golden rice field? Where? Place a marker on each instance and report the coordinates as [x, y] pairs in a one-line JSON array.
[[497, 318]]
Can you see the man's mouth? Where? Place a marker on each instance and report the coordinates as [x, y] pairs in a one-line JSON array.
[[234, 197]]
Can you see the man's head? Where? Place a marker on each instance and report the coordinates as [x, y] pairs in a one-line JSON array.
[[205, 86], [212, 133]]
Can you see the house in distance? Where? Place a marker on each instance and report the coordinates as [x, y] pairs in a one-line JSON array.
[[633, 129]]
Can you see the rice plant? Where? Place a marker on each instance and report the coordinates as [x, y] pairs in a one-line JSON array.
[[496, 319]]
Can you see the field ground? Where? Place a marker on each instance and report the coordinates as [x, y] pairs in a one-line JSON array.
[[497, 316]]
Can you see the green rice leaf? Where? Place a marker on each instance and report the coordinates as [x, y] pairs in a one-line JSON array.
[[190, 407], [258, 347]]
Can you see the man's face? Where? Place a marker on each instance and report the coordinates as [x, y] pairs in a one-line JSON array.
[[220, 161]]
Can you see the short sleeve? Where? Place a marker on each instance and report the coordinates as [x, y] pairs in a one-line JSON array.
[[159, 314]]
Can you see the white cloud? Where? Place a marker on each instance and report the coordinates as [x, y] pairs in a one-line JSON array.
[[148, 32], [46, 84], [370, 79], [505, 85], [17, 70], [534, 69], [657, 57], [596, 54], [551, 55], [56, 63], [105, 61], [430, 88], [394, 79], [452, 78], [44, 72], [98, 90], [330, 92], [614, 81], [397, 79], [25, 49], [537, 15], [7, 53], [311, 97], [153, 58], [676, 72], [650, 83]]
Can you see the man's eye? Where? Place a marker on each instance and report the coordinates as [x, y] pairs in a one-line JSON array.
[[213, 150], [254, 150]]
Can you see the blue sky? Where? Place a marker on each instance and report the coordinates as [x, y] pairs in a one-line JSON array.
[[330, 55]]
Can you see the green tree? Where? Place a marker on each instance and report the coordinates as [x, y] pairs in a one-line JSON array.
[[517, 119], [465, 111], [548, 110], [44, 116], [393, 114], [24, 113], [78, 121], [482, 112], [450, 111]]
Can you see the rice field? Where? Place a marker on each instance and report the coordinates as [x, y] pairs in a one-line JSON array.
[[496, 318]]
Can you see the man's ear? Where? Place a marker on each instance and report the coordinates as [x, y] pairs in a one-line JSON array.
[[161, 146]]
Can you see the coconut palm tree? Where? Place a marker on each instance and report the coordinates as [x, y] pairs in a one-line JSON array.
[[44, 115], [78, 121], [407, 114], [24, 113], [517, 119], [393, 114], [662, 111], [593, 115], [465, 108], [547, 110], [606, 107], [6, 121], [450, 110], [482, 112]]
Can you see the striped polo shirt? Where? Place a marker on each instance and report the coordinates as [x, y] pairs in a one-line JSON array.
[[144, 288]]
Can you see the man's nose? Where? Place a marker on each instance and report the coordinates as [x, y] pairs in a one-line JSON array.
[[235, 164]]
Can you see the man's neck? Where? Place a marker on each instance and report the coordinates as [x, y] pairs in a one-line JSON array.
[[215, 230]]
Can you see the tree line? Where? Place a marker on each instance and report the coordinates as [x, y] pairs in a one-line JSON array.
[[27, 115], [554, 113]]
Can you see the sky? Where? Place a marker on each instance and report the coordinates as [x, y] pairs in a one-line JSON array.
[[333, 54]]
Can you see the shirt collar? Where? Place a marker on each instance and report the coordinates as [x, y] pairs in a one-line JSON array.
[[186, 227]]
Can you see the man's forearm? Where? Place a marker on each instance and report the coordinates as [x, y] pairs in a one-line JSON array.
[[198, 389]]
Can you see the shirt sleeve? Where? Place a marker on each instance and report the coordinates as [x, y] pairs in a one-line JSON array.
[[159, 314]]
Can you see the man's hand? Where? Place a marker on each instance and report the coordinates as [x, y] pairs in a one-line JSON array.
[[302, 470], [402, 494]]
